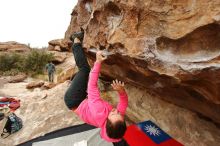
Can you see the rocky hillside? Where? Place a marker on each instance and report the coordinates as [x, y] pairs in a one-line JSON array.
[[168, 47]]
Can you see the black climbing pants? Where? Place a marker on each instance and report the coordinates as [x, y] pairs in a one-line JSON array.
[[77, 91]]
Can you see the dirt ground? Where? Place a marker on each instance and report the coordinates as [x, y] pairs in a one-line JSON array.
[[2, 82]]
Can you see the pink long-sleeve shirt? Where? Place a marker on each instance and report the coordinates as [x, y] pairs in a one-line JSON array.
[[94, 110]]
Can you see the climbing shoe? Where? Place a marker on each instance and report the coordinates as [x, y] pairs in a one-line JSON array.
[[79, 35]]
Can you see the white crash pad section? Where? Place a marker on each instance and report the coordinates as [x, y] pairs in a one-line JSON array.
[[86, 138], [81, 143]]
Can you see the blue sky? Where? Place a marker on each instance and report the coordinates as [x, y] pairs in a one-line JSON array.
[[34, 21]]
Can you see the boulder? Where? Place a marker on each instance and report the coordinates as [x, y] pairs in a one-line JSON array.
[[50, 48], [67, 68], [17, 78], [35, 84], [57, 48], [63, 44], [49, 85], [59, 57], [171, 48], [66, 74]]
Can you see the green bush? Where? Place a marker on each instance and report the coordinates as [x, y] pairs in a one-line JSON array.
[[11, 61], [11, 72], [31, 63], [36, 60]]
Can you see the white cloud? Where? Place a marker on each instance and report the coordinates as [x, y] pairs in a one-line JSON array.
[[34, 21]]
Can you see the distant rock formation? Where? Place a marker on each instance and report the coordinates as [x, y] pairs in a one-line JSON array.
[[59, 57], [59, 45], [63, 58], [171, 48], [13, 47]]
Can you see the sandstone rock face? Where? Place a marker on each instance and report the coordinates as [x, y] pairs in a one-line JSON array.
[[13, 47], [67, 74], [59, 45], [68, 69], [59, 57], [171, 48]]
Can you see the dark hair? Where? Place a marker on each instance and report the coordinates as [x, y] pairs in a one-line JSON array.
[[116, 130]]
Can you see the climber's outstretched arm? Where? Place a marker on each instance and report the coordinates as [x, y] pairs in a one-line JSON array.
[[94, 98], [123, 98]]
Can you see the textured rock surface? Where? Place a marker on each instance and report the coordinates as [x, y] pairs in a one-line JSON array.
[[68, 69], [66, 74], [170, 47], [35, 84], [59, 45], [59, 57], [13, 47]]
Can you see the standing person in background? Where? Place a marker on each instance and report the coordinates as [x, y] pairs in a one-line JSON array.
[[90, 107], [50, 68]]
